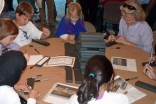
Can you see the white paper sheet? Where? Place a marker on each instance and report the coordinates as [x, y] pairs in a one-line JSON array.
[[60, 93], [61, 61], [34, 59], [133, 93], [124, 64]]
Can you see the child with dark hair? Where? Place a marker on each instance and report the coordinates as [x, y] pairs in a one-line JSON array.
[[94, 89], [12, 64]]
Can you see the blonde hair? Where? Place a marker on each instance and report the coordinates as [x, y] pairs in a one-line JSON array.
[[25, 8], [138, 14], [7, 27], [74, 9]]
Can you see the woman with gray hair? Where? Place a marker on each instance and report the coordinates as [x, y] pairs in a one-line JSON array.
[[133, 29]]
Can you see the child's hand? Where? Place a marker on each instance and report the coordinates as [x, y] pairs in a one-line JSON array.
[[26, 55], [34, 94], [21, 87], [148, 70], [71, 37], [46, 31]]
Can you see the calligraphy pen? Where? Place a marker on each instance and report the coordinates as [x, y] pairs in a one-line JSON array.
[[37, 51], [130, 78], [151, 55], [43, 80]]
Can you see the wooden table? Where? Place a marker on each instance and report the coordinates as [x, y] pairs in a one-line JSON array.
[[140, 56], [58, 73]]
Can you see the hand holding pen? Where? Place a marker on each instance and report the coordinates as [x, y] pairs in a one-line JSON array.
[[26, 55], [149, 71], [71, 36], [151, 56]]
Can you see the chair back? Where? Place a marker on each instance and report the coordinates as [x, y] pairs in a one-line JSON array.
[[112, 12], [89, 27]]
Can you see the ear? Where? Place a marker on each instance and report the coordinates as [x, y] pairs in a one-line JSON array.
[[17, 15], [112, 78]]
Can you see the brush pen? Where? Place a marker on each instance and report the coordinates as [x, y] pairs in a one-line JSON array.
[[130, 78], [43, 80], [37, 76], [37, 51], [32, 66], [151, 55]]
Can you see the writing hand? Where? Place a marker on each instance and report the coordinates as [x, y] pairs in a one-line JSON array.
[[148, 70], [71, 37], [21, 87], [34, 94]]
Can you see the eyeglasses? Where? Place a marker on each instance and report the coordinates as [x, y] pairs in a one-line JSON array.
[[130, 7]]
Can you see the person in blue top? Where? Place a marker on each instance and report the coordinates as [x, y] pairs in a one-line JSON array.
[[72, 23]]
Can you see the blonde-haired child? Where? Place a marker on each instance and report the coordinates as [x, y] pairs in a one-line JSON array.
[[72, 23]]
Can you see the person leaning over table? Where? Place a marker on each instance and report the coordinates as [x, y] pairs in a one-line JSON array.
[[10, 73], [27, 30], [133, 29], [98, 76], [8, 32]]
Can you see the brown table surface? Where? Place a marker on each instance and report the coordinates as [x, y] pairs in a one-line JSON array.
[[57, 74]]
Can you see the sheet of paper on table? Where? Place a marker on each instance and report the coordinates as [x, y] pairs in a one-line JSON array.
[[61, 61], [130, 91], [124, 63], [60, 93], [34, 59]]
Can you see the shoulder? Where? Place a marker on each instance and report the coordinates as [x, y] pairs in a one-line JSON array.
[[144, 27], [118, 97], [73, 99], [8, 94], [144, 24]]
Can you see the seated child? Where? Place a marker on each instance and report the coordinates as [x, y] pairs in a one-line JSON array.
[[8, 32], [95, 88], [72, 23], [27, 30], [12, 65]]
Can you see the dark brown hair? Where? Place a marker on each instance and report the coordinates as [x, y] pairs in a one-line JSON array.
[[98, 71]]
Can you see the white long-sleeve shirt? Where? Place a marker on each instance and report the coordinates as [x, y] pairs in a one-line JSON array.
[[9, 96], [108, 98]]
